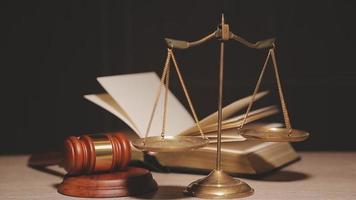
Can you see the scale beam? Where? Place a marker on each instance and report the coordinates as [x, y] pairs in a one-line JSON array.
[[262, 44], [182, 44]]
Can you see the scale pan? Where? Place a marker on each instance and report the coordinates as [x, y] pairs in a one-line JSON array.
[[170, 143], [275, 134]]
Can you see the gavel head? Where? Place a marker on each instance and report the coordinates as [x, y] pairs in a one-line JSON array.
[[96, 153]]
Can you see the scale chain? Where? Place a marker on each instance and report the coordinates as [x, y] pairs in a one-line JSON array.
[[255, 91], [280, 91], [163, 77], [186, 94], [165, 108], [165, 81], [283, 103]]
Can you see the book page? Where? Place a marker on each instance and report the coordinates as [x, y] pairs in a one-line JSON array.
[[227, 112], [242, 147], [229, 135], [232, 133], [108, 103], [136, 94], [231, 109], [235, 122], [252, 114]]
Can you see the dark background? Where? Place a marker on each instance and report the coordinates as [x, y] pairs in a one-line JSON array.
[[52, 51]]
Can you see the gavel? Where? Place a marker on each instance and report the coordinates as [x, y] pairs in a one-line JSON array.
[[85, 156], [89, 154]]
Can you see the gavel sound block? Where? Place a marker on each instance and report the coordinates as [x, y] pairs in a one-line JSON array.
[[97, 166]]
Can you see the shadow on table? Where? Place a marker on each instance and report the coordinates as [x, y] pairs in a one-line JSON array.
[[163, 192], [273, 175], [282, 176], [49, 171], [276, 174], [166, 192], [279, 175], [267, 171]]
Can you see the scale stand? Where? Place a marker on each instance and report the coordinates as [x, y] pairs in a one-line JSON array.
[[218, 184]]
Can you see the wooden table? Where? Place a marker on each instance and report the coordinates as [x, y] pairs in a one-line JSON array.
[[319, 175]]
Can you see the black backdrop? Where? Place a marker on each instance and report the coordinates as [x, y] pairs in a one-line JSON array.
[[54, 50]]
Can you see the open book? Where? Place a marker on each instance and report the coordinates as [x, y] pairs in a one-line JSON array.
[[131, 97]]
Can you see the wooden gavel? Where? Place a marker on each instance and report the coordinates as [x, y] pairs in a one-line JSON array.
[[83, 157], [89, 154]]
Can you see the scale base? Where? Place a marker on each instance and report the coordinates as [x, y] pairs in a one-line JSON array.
[[218, 185]]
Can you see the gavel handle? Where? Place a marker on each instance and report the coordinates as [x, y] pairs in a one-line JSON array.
[[45, 159]]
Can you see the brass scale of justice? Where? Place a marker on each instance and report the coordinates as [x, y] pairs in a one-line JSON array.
[[217, 184]]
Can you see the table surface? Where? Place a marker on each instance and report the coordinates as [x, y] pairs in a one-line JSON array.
[[319, 175]]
